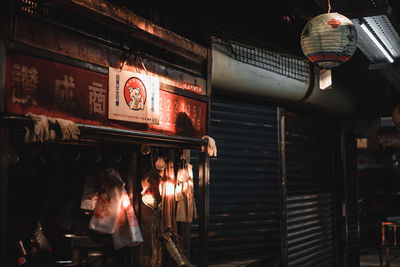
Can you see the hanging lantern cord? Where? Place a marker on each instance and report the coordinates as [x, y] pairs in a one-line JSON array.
[[329, 6]]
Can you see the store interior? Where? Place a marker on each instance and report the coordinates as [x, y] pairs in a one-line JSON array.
[[379, 195], [49, 218]]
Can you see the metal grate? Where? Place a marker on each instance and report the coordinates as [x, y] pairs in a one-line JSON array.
[[309, 197], [266, 57], [34, 7], [244, 184], [353, 246]]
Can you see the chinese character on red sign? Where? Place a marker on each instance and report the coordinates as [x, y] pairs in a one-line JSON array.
[[193, 88], [53, 89], [181, 115]]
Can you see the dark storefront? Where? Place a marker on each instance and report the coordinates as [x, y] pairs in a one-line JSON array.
[[126, 99], [97, 127]]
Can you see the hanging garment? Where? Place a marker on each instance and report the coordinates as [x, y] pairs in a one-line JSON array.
[[108, 203], [151, 250], [211, 146], [89, 193], [151, 193], [169, 229], [156, 245], [127, 231], [186, 206], [167, 191], [43, 129], [69, 129]]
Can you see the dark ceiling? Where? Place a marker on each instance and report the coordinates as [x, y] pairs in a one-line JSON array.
[[280, 23]]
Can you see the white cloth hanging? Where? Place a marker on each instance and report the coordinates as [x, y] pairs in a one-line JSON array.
[[184, 194], [211, 147]]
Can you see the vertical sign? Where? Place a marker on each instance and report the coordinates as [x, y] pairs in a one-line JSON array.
[[133, 97]]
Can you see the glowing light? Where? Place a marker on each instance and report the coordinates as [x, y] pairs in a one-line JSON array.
[[170, 188], [123, 63], [383, 50], [178, 188], [125, 201]]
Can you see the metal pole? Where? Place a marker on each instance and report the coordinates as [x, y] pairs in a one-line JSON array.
[[204, 185], [345, 202], [282, 157]]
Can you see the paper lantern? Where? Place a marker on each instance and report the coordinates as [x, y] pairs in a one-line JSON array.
[[329, 40]]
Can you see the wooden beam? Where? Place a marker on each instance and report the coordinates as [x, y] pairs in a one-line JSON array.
[[141, 27]]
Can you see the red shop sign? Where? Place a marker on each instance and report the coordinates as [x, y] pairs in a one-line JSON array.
[[181, 115], [58, 90], [53, 89]]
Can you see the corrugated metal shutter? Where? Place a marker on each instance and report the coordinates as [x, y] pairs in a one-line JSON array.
[[244, 188], [353, 244], [309, 192]]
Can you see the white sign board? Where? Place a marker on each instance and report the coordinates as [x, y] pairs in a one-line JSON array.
[[133, 97], [325, 79]]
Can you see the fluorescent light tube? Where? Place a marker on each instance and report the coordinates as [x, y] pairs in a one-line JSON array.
[[383, 50]]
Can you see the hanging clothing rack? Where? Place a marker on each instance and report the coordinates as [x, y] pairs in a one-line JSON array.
[[110, 134]]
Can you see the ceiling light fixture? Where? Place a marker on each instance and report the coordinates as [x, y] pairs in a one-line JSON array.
[[377, 43]]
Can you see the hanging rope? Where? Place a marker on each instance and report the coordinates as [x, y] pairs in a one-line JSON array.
[[329, 6]]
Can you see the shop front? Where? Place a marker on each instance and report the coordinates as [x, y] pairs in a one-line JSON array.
[[97, 138]]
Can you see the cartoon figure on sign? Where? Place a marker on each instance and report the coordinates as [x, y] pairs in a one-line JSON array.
[[135, 94], [136, 102]]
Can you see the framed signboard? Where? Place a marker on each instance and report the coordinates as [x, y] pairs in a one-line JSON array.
[[133, 97]]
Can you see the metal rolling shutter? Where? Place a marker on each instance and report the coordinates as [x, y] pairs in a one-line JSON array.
[[353, 245], [309, 195], [244, 220]]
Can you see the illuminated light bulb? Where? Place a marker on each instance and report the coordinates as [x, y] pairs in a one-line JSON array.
[[123, 63], [125, 201], [170, 188]]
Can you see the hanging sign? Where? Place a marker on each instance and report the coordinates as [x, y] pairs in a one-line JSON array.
[[133, 97]]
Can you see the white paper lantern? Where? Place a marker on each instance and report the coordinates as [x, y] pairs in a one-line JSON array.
[[329, 40]]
